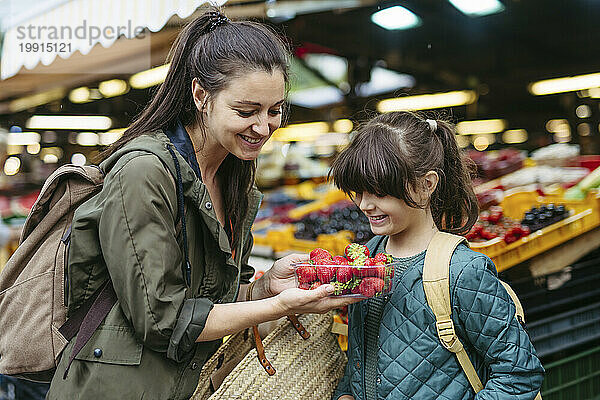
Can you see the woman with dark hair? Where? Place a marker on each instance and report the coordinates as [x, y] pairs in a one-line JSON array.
[[177, 283]]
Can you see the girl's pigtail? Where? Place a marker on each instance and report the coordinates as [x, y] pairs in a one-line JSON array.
[[453, 204]]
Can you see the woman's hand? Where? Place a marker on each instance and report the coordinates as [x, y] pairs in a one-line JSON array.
[[317, 301], [281, 276]]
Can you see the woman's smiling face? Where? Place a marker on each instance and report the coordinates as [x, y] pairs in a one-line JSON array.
[[244, 115]]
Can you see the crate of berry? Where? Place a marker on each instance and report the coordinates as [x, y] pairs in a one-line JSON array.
[[355, 274]]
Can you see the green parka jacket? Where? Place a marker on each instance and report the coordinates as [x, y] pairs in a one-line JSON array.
[[145, 348]]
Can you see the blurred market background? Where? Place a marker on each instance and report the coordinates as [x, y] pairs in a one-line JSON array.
[[521, 78]]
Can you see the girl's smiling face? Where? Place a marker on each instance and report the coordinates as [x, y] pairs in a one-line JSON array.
[[388, 215]]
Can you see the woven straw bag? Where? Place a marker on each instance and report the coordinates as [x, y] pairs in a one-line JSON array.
[[306, 369]]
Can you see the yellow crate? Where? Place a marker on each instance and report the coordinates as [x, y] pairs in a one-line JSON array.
[[586, 217], [331, 197], [516, 203]]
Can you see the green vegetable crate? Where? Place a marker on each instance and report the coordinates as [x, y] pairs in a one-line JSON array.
[[573, 378]]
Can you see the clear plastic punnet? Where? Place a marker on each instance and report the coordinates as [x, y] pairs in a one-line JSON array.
[[348, 280]]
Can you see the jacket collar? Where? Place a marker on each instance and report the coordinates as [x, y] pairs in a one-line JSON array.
[[195, 191], [183, 143]]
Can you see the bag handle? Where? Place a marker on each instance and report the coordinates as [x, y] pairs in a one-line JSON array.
[[260, 349], [436, 283]]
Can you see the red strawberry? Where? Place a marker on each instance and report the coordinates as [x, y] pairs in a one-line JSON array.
[[305, 286], [383, 257], [355, 250], [325, 273], [344, 274], [340, 260], [306, 274], [370, 262], [319, 254], [374, 270], [315, 285], [360, 260], [370, 286]]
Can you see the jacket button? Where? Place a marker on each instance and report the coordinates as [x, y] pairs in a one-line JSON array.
[[98, 353], [194, 365], [208, 205], [379, 381]]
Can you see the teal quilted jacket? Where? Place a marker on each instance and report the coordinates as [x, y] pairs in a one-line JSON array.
[[412, 364]]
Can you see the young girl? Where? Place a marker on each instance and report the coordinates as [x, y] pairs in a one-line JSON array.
[[407, 175]]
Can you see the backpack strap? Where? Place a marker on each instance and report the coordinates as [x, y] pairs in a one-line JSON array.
[[436, 283]]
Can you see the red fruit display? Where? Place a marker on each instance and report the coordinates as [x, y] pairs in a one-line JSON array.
[[325, 273], [383, 258], [355, 250], [370, 285], [340, 260], [320, 254], [344, 274], [493, 224], [306, 274], [358, 275]]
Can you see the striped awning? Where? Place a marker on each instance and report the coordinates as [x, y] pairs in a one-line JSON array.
[[79, 25]]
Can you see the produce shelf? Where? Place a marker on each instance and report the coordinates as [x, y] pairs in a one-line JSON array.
[[575, 377], [565, 330], [585, 218]]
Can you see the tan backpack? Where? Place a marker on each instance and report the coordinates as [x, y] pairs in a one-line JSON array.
[[436, 283], [34, 286]]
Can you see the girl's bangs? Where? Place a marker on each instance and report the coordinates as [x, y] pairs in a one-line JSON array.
[[368, 167]]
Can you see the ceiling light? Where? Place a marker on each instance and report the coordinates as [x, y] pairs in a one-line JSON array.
[[478, 8], [481, 126], [78, 159], [111, 136], [566, 84], [50, 159], [87, 139], [427, 101], [12, 165], [35, 100], [594, 93], [80, 95], [150, 77], [69, 122], [584, 129], [481, 143], [394, 18], [514, 136], [301, 132], [343, 126], [462, 141], [583, 111], [557, 125], [113, 87], [23, 138], [33, 148]]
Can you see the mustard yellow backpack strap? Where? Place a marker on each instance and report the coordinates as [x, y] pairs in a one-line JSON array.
[[436, 282]]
